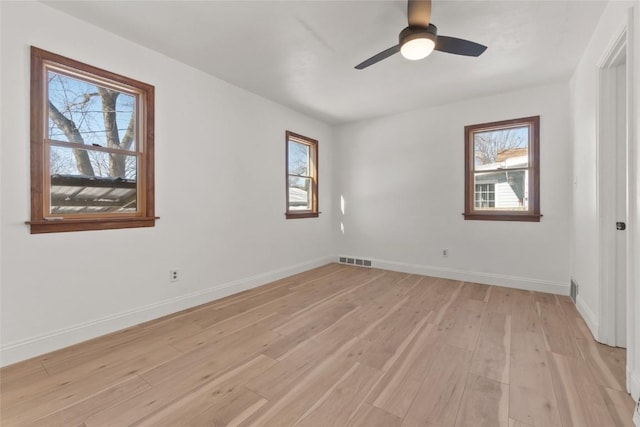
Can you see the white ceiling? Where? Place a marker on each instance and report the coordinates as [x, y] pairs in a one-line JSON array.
[[301, 53]]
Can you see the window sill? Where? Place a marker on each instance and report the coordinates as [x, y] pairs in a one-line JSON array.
[[297, 215], [65, 225], [496, 216]]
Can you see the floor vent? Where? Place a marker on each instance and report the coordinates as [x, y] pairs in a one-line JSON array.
[[573, 292], [355, 261]]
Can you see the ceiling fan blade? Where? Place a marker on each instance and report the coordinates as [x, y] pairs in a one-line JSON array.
[[459, 46], [419, 12], [379, 57]]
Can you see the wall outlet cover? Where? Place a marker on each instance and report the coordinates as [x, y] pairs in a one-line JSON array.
[[636, 415]]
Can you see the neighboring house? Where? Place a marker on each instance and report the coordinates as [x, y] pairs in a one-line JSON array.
[[298, 198], [505, 185]]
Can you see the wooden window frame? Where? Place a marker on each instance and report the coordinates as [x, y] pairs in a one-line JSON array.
[[41, 220], [533, 168], [313, 145]]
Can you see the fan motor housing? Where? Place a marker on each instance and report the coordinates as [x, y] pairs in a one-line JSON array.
[[418, 32]]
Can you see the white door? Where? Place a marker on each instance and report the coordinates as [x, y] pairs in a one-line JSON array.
[[621, 202], [613, 192]]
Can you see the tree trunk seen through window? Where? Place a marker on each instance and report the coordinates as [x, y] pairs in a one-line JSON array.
[[73, 135], [91, 147], [92, 116]]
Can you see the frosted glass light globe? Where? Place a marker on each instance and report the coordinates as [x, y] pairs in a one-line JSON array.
[[417, 48]]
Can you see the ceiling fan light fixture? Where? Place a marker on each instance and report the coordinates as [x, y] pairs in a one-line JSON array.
[[418, 42], [417, 48], [421, 38]]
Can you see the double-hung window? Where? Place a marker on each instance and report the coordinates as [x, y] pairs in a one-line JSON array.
[[91, 147], [502, 168], [302, 176]]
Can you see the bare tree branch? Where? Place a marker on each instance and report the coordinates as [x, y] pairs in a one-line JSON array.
[[73, 135], [489, 146]]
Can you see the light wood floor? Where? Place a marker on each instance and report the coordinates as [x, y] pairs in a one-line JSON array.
[[336, 346]]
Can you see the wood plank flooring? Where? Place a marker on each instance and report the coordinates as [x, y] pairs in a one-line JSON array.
[[335, 346]]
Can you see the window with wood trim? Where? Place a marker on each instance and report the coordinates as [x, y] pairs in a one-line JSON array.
[[92, 152], [302, 176], [502, 168]]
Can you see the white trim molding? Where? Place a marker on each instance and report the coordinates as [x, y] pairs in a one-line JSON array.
[[633, 380], [31, 347], [633, 293], [588, 315], [516, 282]]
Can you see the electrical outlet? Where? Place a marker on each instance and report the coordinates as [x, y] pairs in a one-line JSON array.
[[174, 275], [636, 415], [445, 253]]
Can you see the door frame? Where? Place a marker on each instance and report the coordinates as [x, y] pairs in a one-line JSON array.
[[606, 179], [605, 190]]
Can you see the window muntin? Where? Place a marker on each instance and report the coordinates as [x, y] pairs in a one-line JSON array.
[[485, 196], [302, 176], [502, 170], [92, 147]]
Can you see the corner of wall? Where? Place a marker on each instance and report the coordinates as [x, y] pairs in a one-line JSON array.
[[515, 282], [588, 315]]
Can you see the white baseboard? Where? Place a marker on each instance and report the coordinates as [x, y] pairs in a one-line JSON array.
[[30, 347], [516, 282], [589, 316], [634, 386]]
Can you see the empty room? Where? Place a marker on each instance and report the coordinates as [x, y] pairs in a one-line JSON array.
[[320, 213]]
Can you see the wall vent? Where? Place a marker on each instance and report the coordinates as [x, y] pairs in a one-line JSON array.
[[355, 261], [573, 291]]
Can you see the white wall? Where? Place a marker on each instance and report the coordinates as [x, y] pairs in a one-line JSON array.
[[402, 180], [220, 194], [584, 235]]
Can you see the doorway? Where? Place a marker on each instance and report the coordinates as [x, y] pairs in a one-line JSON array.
[[613, 192]]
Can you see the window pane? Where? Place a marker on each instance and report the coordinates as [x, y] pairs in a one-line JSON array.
[[485, 196], [89, 181], [300, 193], [501, 149], [298, 158], [502, 190], [85, 113]]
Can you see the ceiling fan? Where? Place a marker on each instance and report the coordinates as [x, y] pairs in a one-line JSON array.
[[421, 37]]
